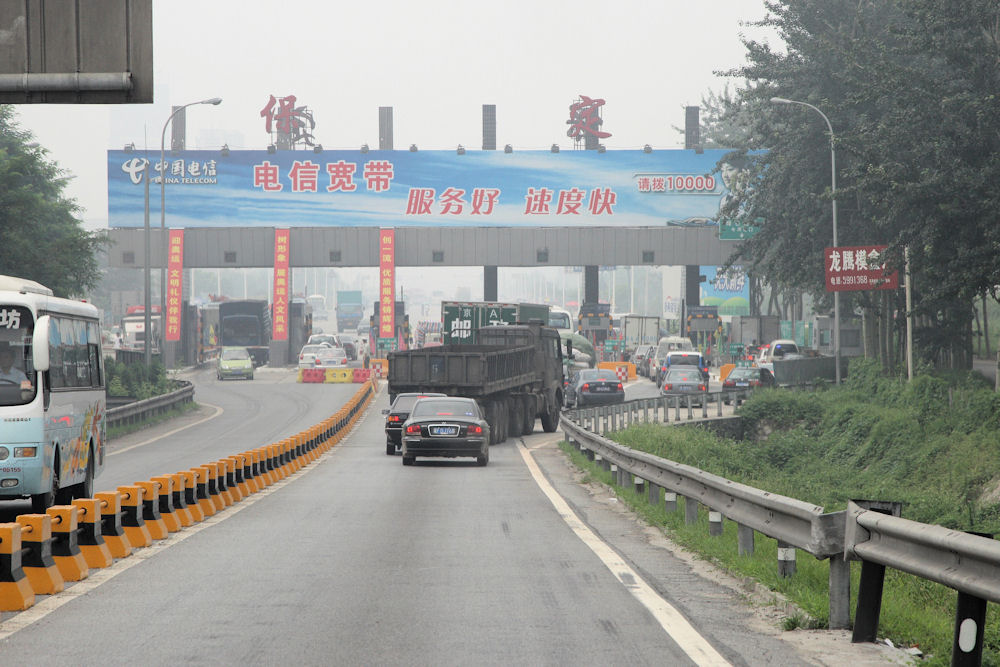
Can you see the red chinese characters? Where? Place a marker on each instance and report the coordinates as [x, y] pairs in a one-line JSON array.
[[857, 268], [584, 118], [279, 316], [387, 283], [175, 284]]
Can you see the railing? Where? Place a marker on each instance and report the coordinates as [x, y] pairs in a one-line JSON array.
[[868, 531], [141, 410]]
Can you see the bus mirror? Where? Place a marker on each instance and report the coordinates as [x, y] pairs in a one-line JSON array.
[[569, 349], [40, 344]]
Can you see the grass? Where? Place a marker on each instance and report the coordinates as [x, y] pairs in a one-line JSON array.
[[874, 438], [119, 431]]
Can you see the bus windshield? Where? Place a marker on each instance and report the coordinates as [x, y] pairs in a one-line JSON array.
[[17, 377]]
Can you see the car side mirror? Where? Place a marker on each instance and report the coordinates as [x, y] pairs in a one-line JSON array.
[[385, 411]]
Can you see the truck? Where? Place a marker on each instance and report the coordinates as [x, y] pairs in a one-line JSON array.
[[427, 334], [246, 323], [350, 310], [640, 330], [460, 320], [134, 328], [514, 371]]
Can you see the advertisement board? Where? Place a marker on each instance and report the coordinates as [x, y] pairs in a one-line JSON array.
[[633, 188], [728, 291], [387, 283], [282, 247], [855, 268]]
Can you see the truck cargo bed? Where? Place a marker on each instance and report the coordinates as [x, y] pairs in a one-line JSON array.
[[462, 370]]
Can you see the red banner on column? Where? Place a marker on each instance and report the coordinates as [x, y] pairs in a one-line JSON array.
[[175, 283], [387, 283], [279, 313]]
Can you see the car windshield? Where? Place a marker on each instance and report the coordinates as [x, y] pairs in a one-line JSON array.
[[434, 407], [404, 402], [607, 376], [316, 349], [682, 374], [584, 376], [236, 354], [684, 359], [781, 349], [743, 373]]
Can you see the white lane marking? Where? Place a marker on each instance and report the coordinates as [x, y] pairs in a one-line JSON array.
[[218, 411], [672, 621], [50, 603]]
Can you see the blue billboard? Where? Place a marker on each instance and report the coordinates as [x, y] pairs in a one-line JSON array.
[[420, 188], [730, 291]]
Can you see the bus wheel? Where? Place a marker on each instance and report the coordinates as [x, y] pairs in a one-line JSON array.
[[85, 489], [42, 501]]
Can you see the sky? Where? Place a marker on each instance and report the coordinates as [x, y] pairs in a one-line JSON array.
[[436, 62]]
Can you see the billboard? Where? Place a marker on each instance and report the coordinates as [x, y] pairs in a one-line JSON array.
[[729, 291], [856, 268], [420, 188]]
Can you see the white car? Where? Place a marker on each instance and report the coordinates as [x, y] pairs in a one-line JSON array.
[[329, 339], [322, 356]]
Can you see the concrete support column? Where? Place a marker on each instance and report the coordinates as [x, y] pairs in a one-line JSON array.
[[591, 284], [489, 283]]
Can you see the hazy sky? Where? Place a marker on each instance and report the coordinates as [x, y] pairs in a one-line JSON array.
[[436, 62]]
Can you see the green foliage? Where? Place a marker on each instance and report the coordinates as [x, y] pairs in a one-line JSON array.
[[40, 237], [135, 381], [909, 92]]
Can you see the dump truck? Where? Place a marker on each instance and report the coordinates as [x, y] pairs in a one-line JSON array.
[[460, 320], [515, 372], [350, 309], [246, 323]]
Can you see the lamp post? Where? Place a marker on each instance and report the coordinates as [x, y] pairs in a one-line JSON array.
[[163, 218], [833, 198]]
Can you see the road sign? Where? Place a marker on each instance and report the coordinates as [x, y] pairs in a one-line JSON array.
[[736, 348], [388, 344], [738, 232]]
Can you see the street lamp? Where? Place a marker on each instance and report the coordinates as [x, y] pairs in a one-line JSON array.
[[833, 199], [163, 218]]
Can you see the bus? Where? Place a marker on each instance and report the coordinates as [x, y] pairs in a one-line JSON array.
[[52, 396]]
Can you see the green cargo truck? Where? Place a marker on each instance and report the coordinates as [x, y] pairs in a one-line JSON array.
[[461, 319]]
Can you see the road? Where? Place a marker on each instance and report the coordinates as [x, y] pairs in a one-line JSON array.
[[359, 560]]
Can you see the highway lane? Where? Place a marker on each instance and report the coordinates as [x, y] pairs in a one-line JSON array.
[[358, 560]]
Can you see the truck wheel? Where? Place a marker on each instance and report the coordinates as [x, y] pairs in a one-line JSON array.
[[550, 420], [528, 403], [491, 418], [502, 420], [516, 422]]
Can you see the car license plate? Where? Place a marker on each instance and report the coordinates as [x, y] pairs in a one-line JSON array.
[[742, 384], [443, 430], [602, 387], [684, 387]]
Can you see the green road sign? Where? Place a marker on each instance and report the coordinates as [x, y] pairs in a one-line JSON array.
[[737, 231], [736, 348]]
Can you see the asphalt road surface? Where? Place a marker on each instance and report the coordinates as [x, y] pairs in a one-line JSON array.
[[357, 560]]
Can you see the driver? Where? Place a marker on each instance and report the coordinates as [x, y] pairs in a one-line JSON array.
[[8, 371]]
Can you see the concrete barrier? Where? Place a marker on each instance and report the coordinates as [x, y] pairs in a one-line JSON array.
[[91, 540], [15, 590], [36, 536], [191, 495], [111, 524], [151, 510], [65, 546], [165, 499], [132, 521]]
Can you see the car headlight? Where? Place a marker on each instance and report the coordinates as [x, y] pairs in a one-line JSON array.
[[4, 453]]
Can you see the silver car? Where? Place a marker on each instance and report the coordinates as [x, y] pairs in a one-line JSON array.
[[685, 381], [322, 356]]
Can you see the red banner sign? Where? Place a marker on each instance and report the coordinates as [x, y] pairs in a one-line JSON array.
[[282, 285], [387, 283], [858, 268], [175, 283]]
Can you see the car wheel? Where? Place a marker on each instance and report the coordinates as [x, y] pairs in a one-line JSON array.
[[408, 460], [390, 448], [483, 460]]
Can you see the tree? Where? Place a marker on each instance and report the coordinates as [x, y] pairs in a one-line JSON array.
[[909, 87], [41, 237]]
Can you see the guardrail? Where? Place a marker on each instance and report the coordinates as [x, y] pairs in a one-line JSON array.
[[868, 531], [141, 410], [793, 523]]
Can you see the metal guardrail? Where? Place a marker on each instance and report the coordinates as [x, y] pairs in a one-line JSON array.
[[967, 563], [141, 410]]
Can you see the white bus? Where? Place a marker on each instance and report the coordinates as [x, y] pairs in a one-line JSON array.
[[52, 396]]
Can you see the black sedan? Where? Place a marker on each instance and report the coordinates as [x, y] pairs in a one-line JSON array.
[[747, 378], [448, 427], [398, 413], [595, 387]]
